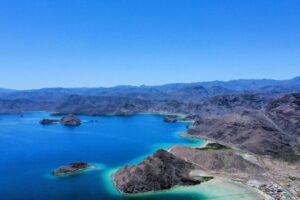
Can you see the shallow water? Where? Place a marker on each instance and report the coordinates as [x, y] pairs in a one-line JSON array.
[[29, 151]]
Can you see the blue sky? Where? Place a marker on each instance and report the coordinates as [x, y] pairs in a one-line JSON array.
[[105, 43]]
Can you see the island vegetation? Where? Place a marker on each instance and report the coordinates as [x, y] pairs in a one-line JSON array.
[[71, 168]]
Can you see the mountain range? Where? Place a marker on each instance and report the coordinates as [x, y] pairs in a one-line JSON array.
[[176, 90], [260, 116]]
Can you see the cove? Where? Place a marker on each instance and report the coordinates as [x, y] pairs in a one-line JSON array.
[[29, 151]]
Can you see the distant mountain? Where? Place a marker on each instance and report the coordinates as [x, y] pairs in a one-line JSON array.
[[178, 91], [241, 84], [3, 90]]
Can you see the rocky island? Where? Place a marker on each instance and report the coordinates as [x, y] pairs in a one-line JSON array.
[[69, 120], [71, 168], [160, 171]]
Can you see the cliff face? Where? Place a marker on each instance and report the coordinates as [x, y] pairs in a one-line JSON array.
[[160, 171]]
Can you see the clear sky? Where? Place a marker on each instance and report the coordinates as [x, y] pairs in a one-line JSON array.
[[73, 43]]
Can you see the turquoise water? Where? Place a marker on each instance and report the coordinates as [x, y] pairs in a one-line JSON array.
[[29, 151]]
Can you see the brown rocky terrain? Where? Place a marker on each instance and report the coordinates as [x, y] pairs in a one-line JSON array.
[[249, 130], [285, 112], [218, 161]]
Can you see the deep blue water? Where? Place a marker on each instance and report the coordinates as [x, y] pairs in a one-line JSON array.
[[29, 151]]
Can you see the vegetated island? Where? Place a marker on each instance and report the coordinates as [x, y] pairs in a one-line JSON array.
[[68, 120]]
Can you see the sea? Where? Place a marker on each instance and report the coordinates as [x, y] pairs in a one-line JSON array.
[[29, 152]]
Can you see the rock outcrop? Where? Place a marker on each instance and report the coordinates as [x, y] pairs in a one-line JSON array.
[[71, 168], [70, 120], [160, 171]]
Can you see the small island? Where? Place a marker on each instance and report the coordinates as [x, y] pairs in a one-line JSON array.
[[69, 120], [170, 119], [71, 168]]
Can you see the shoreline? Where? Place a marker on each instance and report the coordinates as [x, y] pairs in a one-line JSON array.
[[243, 153], [183, 134], [229, 188], [267, 180]]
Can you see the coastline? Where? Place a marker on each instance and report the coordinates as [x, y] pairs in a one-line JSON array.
[[268, 179], [194, 142], [188, 189], [182, 134]]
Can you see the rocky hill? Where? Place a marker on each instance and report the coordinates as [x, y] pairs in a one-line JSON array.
[[160, 171]]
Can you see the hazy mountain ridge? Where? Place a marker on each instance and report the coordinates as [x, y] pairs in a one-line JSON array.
[[203, 89], [188, 95]]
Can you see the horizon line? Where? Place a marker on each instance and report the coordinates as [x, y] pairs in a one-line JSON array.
[[144, 85]]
